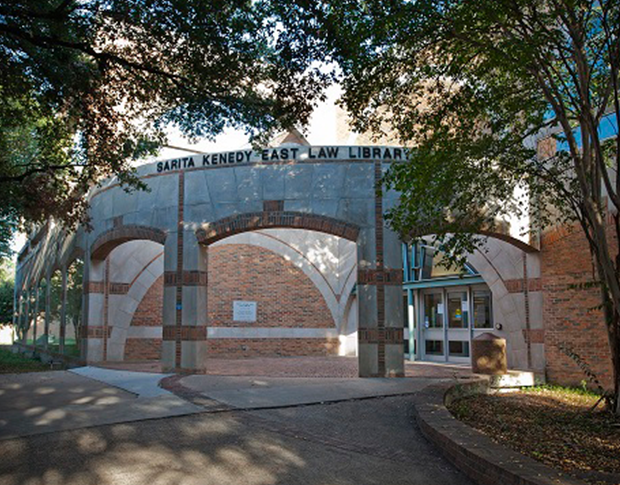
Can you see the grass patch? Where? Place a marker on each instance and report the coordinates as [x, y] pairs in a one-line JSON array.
[[11, 363], [551, 424]]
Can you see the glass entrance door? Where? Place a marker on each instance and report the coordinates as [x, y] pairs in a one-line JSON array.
[[433, 340], [458, 331], [449, 319]]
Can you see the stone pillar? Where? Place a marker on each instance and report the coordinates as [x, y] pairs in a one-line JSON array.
[[27, 316], [394, 308], [48, 308], [35, 320], [194, 310], [379, 290], [185, 307], [63, 310], [169, 318], [93, 326]]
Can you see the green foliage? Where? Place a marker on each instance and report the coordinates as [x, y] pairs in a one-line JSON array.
[[6, 293], [470, 86], [467, 84], [609, 398], [86, 87], [13, 363]]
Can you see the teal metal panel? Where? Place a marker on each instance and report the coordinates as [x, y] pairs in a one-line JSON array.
[[439, 283]]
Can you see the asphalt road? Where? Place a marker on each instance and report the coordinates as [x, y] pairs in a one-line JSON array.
[[370, 441]]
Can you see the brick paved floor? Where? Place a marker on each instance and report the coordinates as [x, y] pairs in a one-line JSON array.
[[299, 367]]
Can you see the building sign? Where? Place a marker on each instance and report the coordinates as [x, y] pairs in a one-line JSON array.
[[244, 311], [298, 153]]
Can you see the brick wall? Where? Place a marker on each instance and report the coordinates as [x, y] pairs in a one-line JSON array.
[[285, 296], [149, 312], [142, 349], [569, 314], [274, 347]]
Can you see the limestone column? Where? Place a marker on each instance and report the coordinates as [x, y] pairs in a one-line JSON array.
[[185, 306], [379, 289], [93, 323], [194, 306], [63, 310], [185, 296], [48, 308], [169, 317], [394, 307], [27, 316], [36, 314]]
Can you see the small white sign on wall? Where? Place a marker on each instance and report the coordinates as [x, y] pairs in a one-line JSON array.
[[244, 311]]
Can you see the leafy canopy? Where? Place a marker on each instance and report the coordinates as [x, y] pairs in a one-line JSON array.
[[472, 86], [468, 84], [88, 86]]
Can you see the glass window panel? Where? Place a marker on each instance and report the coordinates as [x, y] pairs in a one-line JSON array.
[[433, 310], [458, 314], [427, 254], [439, 270], [458, 348], [434, 347], [405, 310], [482, 309]]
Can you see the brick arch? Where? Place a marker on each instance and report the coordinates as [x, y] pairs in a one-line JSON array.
[[252, 221], [116, 236]]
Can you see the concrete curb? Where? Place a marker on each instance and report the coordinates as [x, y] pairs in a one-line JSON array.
[[482, 460]]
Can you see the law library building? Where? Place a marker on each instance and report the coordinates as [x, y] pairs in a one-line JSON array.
[[285, 252]]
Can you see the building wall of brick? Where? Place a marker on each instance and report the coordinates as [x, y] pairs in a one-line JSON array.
[[570, 314], [142, 349], [149, 312], [285, 296], [273, 347]]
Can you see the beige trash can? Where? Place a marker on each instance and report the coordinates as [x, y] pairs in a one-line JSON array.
[[488, 355]]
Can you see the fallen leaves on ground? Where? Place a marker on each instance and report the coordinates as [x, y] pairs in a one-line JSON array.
[[553, 425]]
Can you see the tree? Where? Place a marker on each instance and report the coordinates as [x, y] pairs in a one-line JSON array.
[[469, 85], [88, 86], [6, 293]]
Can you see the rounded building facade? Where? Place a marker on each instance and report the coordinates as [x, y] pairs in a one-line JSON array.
[[276, 252]]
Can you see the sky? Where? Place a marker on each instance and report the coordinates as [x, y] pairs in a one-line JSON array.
[[320, 131]]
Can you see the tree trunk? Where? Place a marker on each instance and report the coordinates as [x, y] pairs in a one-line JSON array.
[[612, 320]]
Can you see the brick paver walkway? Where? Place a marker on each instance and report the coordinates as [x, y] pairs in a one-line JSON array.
[[298, 367]]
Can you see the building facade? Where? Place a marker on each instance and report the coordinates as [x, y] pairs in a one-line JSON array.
[[285, 252]]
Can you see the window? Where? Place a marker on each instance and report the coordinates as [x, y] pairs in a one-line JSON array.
[[458, 314], [433, 311], [423, 262], [458, 348], [434, 347], [482, 309]]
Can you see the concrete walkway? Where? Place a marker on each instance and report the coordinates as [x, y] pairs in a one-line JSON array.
[[267, 392], [350, 443], [45, 402]]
